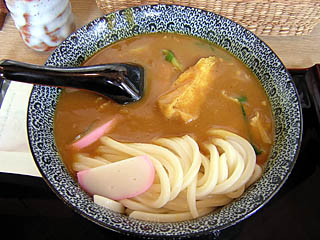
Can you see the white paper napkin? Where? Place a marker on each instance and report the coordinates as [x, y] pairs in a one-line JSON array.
[[15, 155]]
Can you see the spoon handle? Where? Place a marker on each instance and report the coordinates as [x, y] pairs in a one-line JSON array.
[[116, 81]]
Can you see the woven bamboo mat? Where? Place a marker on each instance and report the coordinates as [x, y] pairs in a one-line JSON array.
[[263, 17]]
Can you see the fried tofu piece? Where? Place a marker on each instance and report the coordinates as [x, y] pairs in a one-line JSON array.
[[188, 92]]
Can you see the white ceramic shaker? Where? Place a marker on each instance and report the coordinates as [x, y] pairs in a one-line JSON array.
[[43, 24]]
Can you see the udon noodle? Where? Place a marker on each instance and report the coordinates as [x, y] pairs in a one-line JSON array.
[[191, 180]]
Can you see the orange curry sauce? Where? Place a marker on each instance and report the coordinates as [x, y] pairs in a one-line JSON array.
[[143, 121]]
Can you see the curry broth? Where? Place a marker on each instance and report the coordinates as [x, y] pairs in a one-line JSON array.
[[142, 121]]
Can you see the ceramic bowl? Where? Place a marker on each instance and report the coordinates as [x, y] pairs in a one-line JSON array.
[[194, 22]]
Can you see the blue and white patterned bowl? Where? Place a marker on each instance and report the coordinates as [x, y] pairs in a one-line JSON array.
[[190, 21]]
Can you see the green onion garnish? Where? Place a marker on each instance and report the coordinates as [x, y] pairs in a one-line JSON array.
[[170, 57]]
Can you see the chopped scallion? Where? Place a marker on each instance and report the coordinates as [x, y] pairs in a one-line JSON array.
[[170, 57], [256, 149], [244, 114], [242, 100]]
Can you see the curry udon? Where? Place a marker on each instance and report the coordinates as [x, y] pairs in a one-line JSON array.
[[202, 159]]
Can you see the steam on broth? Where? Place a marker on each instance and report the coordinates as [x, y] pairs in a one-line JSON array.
[[235, 113]]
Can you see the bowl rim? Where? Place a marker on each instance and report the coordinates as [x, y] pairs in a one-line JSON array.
[[130, 232]]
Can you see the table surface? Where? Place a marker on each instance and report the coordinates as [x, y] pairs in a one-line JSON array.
[[294, 51]]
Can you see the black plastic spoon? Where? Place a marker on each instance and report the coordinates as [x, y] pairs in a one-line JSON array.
[[124, 83]]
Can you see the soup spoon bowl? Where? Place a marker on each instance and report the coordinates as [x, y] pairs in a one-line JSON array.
[[122, 82]]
